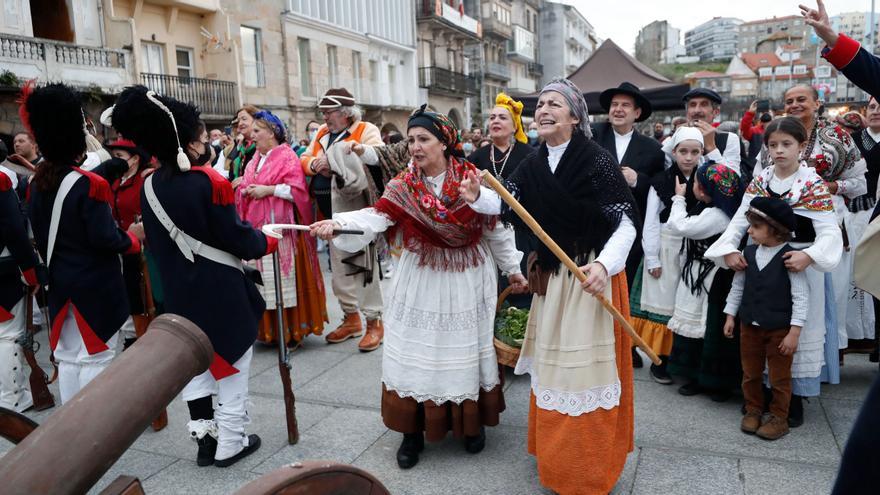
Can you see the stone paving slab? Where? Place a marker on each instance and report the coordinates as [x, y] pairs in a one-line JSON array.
[[771, 478], [340, 437], [137, 463], [665, 472], [306, 366], [445, 467], [355, 381], [664, 418], [185, 478]]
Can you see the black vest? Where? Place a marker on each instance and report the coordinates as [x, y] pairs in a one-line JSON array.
[[766, 300]]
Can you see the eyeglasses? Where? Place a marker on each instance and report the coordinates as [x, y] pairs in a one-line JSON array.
[[329, 112]]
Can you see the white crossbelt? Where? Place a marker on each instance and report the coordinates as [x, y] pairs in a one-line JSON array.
[[63, 190], [187, 244]]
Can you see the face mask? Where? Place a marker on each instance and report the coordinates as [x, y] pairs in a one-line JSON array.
[[205, 157], [467, 147], [532, 134], [312, 135], [215, 142]]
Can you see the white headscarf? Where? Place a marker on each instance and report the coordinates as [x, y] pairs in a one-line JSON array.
[[685, 133]]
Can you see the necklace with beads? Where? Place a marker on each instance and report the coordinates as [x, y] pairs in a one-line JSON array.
[[503, 162]]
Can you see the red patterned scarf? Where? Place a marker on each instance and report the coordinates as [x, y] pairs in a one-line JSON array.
[[443, 231]]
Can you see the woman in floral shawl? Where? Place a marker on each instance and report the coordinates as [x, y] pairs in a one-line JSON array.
[[273, 183], [439, 370]]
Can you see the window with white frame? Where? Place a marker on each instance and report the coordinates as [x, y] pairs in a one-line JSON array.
[[356, 73], [252, 57], [332, 66], [305, 64], [184, 59]]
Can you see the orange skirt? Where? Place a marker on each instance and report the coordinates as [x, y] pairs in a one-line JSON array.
[[310, 313], [585, 454]]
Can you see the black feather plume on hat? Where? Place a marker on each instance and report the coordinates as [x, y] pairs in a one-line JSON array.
[[55, 118], [141, 120]]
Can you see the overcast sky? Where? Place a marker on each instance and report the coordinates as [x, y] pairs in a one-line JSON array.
[[621, 20]]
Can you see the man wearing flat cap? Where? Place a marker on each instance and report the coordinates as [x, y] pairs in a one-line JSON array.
[[343, 177], [701, 106]]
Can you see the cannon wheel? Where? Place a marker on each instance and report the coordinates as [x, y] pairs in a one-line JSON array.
[[315, 478], [14, 426]]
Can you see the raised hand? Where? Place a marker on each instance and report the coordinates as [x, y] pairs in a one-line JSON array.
[[680, 189], [470, 187], [818, 19]]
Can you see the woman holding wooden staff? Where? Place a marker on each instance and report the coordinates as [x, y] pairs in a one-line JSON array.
[[581, 412]]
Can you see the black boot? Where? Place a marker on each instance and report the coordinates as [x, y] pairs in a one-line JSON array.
[[690, 388], [408, 453], [659, 373], [207, 449], [637, 359], [253, 445], [475, 444], [796, 411]]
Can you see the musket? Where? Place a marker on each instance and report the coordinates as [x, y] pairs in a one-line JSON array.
[[142, 321], [566, 260], [38, 378], [283, 353]]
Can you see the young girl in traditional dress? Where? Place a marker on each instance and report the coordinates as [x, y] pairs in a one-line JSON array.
[[652, 297], [439, 370], [700, 352], [817, 239]]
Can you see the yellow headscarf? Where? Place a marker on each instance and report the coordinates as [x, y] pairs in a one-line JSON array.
[[515, 108]]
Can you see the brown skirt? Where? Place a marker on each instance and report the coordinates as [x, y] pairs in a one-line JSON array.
[[310, 312], [405, 415]]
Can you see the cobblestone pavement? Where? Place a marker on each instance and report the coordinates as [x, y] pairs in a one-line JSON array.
[[684, 445]]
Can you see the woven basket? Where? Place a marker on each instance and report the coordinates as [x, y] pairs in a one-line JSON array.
[[507, 355]]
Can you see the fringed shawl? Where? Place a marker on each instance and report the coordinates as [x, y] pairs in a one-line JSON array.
[[443, 231]]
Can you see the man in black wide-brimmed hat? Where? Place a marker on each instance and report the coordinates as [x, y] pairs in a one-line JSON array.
[[639, 156]]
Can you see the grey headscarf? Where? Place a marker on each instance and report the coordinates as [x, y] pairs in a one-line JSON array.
[[575, 100]]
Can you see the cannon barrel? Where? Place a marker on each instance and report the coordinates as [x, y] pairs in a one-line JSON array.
[[79, 442]]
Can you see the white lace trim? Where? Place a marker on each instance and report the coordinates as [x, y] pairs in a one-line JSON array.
[[439, 400], [200, 427], [570, 403]]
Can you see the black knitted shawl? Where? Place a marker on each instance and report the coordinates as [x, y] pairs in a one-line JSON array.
[[579, 206]]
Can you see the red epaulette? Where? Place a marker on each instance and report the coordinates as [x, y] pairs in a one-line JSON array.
[[5, 182], [221, 189], [99, 188]]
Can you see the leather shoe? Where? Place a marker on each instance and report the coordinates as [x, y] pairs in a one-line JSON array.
[[637, 359], [373, 338], [475, 444], [349, 328], [207, 449], [408, 453], [253, 445], [690, 388]]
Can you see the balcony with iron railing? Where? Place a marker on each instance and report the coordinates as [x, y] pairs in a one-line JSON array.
[[447, 82], [56, 61], [495, 27], [497, 71], [215, 99], [443, 13], [535, 69]]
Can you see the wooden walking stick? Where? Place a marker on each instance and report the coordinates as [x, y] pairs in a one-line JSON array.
[[566, 260]]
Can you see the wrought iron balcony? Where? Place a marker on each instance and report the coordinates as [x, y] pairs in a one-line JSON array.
[[446, 81], [535, 69], [497, 71], [496, 27], [215, 99]]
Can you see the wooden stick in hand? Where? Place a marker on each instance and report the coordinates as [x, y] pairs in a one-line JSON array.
[[566, 260]]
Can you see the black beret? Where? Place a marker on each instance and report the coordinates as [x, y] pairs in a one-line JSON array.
[[775, 210]]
